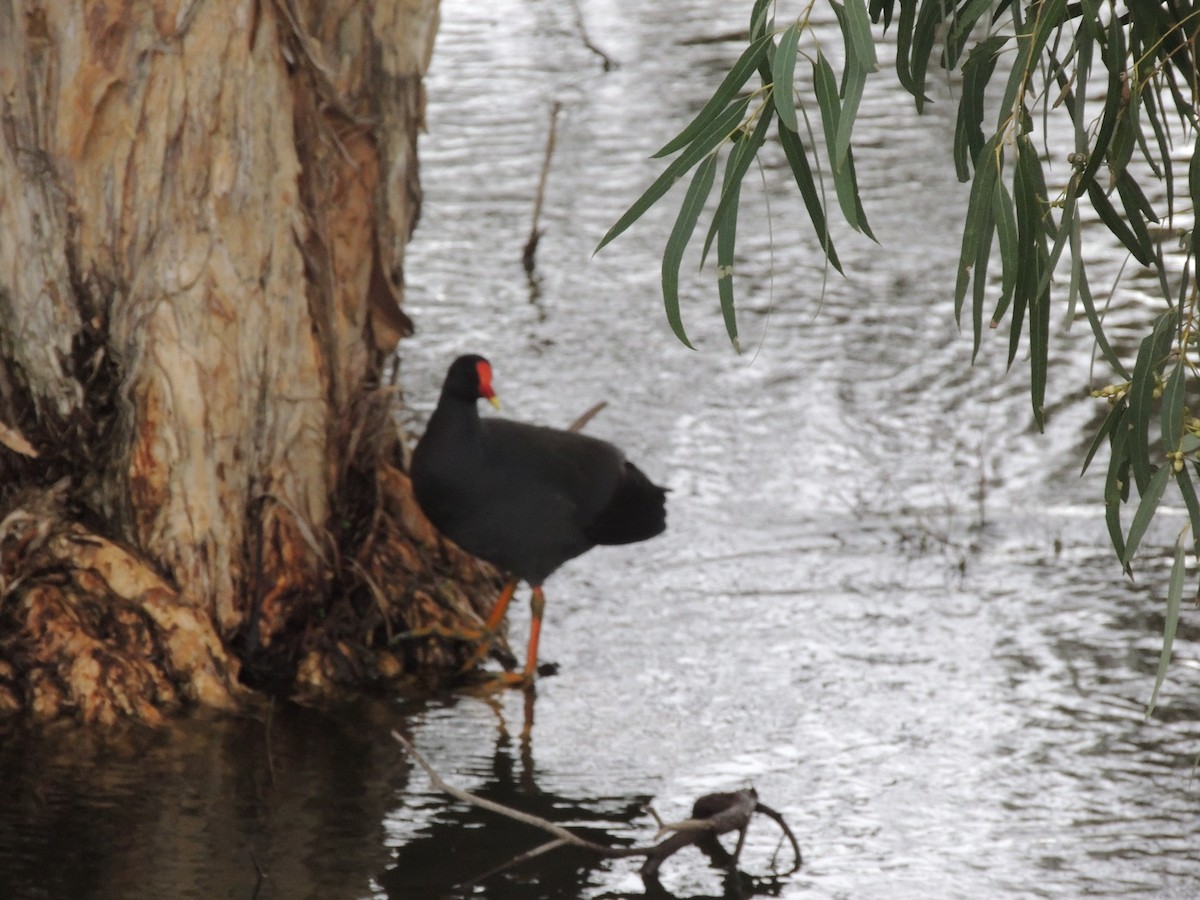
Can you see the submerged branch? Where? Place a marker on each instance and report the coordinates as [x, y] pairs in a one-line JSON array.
[[712, 815]]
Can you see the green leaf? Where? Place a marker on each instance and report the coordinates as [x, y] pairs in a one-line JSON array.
[[718, 130], [976, 74], [1114, 418], [1029, 194], [978, 218], [712, 110], [726, 221], [1089, 307], [782, 72], [932, 13], [845, 182], [685, 224], [744, 150], [1173, 408], [983, 252], [1114, 59], [797, 159], [1116, 487], [1183, 478], [759, 16], [1145, 511], [960, 32], [1140, 398], [1174, 602], [859, 42], [904, 40], [1006, 235], [854, 80]]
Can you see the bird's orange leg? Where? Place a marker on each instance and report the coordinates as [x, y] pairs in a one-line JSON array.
[[537, 605], [491, 626]]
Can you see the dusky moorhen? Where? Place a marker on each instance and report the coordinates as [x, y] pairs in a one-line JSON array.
[[523, 497]]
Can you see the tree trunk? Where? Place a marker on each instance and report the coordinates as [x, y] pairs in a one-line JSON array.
[[203, 213]]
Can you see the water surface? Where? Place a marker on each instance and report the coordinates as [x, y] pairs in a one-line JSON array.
[[883, 599]]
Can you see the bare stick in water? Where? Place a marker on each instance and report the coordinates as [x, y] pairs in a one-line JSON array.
[[535, 233]]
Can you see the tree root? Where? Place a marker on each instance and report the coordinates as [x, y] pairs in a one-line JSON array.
[[712, 815]]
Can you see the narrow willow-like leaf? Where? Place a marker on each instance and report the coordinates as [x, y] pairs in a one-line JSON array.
[[1006, 237], [860, 214], [983, 251], [976, 73], [1136, 205], [854, 80], [1029, 192], [1187, 488], [1064, 235], [718, 103], [797, 159], [1017, 75], [858, 35], [1124, 139], [978, 214], [1115, 416], [704, 143], [932, 13], [828, 101], [844, 182], [1114, 59], [1116, 488], [1173, 408], [759, 15], [1140, 398], [681, 234], [1089, 308], [726, 220], [740, 157], [1118, 226], [1147, 506], [783, 68], [904, 40], [1174, 602], [960, 32], [1049, 19]]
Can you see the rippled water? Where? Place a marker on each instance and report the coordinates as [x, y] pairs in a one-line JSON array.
[[883, 600]]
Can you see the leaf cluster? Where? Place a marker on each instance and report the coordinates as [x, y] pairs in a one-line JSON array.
[[1119, 81]]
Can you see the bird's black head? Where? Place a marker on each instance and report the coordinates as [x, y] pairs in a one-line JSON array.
[[469, 378]]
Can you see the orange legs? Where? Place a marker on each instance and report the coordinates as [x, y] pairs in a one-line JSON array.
[[495, 617], [537, 605]]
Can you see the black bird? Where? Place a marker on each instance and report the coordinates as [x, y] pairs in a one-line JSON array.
[[524, 497]]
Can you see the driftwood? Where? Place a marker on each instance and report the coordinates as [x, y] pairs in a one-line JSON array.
[[712, 815]]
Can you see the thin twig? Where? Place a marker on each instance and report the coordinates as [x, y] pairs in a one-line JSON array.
[[535, 233], [586, 417], [536, 821]]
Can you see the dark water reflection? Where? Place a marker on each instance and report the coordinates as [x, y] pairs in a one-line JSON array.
[[883, 599]]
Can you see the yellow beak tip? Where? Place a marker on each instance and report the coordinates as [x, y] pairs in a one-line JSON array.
[[494, 400]]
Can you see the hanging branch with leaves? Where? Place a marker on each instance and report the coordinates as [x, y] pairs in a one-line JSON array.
[[1054, 60]]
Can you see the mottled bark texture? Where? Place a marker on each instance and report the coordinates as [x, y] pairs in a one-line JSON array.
[[203, 212]]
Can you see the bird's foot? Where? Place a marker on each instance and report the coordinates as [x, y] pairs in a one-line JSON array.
[[483, 649], [499, 681], [494, 682]]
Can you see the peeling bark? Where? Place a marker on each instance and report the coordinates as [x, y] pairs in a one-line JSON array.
[[204, 208]]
